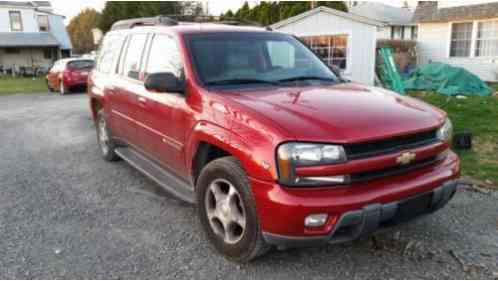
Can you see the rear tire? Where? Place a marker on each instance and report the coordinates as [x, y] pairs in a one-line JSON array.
[[104, 138], [227, 211]]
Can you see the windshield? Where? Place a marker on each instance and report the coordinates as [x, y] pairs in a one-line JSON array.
[[247, 58]]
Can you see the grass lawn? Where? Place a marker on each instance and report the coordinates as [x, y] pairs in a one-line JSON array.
[[9, 85], [494, 86], [479, 115]]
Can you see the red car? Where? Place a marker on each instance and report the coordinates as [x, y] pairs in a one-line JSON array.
[[68, 74], [273, 147]]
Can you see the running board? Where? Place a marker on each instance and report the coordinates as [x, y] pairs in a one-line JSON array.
[[170, 182]]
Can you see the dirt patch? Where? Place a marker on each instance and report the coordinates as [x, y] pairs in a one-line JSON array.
[[478, 185], [485, 147]]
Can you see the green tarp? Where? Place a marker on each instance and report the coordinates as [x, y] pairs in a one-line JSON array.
[[447, 80]]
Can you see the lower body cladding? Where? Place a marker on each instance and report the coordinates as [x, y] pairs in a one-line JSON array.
[[355, 211]]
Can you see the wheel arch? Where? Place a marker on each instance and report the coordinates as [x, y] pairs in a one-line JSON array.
[[209, 142]]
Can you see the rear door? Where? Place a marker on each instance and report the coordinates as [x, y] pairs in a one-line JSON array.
[[125, 101], [103, 81], [161, 112]]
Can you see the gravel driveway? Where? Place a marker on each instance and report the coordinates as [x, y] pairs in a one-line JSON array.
[[66, 213]]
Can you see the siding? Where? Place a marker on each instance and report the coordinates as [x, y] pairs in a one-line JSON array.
[[433, 46], [361, 45], [28, 16]]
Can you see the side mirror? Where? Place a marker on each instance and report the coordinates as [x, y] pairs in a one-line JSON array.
[[336, 70], [164, 82]]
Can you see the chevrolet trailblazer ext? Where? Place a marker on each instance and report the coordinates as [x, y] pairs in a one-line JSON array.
[[273, 147]]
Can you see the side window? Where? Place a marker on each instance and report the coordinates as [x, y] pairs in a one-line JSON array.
[[108, 53], [164, 56], [132, 59]]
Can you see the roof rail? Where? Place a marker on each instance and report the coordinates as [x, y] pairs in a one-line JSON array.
[[170, 20], [130, 23]]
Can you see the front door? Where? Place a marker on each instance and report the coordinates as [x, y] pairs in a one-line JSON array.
[[159, 111]]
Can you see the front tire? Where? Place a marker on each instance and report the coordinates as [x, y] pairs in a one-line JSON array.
[[50, 90], [62, 88], [227, 211], [104, 138]]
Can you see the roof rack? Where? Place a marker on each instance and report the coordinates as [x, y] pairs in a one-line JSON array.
[[131, 23], [171, 20]]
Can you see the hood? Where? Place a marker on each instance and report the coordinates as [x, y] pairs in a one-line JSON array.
[[343, 113]]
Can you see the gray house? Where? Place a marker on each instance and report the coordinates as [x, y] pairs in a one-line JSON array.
[[398, 21], [31, 35]]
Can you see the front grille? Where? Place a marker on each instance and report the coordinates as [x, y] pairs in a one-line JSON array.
[[392, 145], [393, 171]]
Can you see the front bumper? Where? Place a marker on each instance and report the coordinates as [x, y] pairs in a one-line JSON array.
[[282, 211], [359, 223]]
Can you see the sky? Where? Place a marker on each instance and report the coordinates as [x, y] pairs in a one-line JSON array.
[[71, 8]]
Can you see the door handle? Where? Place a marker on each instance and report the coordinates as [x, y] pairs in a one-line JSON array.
[[142, 101]]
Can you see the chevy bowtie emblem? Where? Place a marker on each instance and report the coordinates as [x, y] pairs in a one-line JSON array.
[[406, 158]]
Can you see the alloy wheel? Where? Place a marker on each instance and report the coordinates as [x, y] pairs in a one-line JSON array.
[[225, 211]]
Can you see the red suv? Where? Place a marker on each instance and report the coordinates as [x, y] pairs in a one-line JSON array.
[[273, 146]]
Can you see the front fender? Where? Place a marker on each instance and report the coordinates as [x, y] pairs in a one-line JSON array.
[[256, 159]]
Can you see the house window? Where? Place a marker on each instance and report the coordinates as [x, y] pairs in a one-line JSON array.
[[414, 33], [43, 23], [332, 49], [48, 53], [487, 39], [397, 32], [15, 21], [12, 51], [461, 38]]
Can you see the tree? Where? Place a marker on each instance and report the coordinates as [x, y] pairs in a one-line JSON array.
[[120, 10], [267, 13], [80, 30]]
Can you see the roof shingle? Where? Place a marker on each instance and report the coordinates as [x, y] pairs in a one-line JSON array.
[[27, 39], [427, 11]]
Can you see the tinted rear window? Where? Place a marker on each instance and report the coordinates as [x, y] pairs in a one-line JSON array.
[[81, 64]]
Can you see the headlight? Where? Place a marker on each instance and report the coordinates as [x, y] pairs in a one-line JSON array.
[[445, 133], [293, 155]]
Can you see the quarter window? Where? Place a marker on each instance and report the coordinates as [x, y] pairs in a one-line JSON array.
[[43, 23], [164, 56], [487, 39], [108, 53], [15, 21], [461, 38], [332, 49], [132, 60]]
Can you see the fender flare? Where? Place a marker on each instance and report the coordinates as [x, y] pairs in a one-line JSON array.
[[226, 140]]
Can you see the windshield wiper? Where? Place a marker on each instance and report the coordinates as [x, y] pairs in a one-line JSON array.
[[240, 81], [302, 78]]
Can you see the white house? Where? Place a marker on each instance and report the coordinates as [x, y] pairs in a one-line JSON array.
[[460, 33], [345, 40], [31, 35], [399, 24]]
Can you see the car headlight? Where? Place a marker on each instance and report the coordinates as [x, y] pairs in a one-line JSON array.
[[293, 155], [445, 133]]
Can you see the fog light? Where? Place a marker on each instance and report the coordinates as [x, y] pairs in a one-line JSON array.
[[315, 220]]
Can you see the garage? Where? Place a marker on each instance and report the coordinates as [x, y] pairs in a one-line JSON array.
[[341, 39]]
